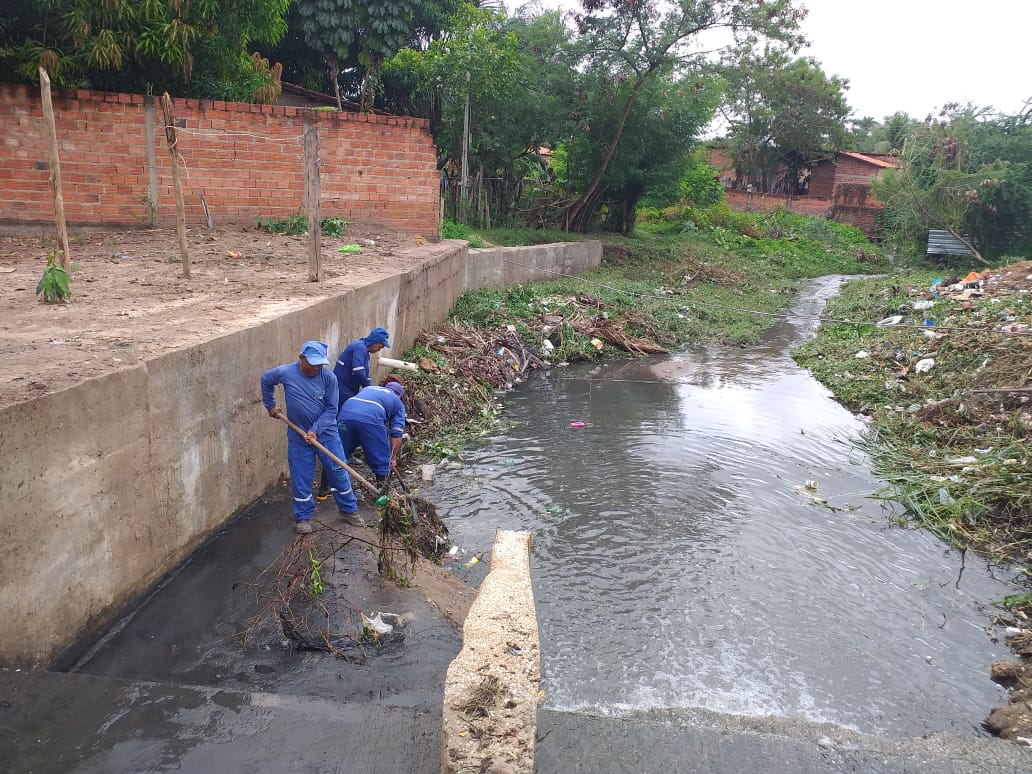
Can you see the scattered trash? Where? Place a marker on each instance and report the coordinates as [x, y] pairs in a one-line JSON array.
[[944, 497], [453, 550], [929, 322], [377, 624], [811, 484], [920, 306], [576, 425], [861, 355], [474, 560], [597, 344], [349, 249], [894, 320], [426, 472], [57, 342], [234, 254], [925, 365], [547, 346]]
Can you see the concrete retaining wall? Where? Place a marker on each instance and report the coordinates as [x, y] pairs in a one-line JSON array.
[[107, 486]]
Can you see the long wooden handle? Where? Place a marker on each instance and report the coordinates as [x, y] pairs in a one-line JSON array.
[[351, 471]]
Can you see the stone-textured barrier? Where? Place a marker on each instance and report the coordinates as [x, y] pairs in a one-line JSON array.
[[492, 689], [107, 486]]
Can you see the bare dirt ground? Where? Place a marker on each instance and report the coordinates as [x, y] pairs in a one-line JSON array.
[[130, 301]]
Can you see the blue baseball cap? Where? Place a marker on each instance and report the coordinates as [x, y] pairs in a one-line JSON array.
[[378, 336], [314, 352], [396, 388]]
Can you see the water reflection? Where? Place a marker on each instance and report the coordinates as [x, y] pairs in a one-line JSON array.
[[679, 561]]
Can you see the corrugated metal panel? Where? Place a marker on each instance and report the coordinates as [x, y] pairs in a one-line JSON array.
[[944, 243]]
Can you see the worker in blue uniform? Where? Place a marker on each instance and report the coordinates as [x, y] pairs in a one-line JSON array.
[[375, 420], [310, 392], [352, 372], [352, 368]]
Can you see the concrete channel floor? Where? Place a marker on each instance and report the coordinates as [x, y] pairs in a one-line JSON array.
[[664, 741], [176, 688]]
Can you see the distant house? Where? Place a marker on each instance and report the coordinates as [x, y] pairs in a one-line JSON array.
[[838, 188]]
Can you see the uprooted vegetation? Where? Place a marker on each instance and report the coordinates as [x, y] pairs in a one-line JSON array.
[[946, 380]]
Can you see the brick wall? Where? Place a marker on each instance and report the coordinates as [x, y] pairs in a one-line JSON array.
[[757, 202], [247, 160]]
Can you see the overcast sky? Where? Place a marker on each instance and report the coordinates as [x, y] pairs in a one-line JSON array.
[[916, 55]]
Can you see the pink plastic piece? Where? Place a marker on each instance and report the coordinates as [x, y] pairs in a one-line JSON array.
[[576, 424]]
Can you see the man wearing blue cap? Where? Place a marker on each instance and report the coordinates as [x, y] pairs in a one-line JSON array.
[[352, 372], [375, 420], [311, 392], [352, 368]]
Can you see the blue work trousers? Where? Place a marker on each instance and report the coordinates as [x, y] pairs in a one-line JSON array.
[[301, 458], [372, 437]]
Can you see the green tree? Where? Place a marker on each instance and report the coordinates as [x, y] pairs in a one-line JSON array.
[[131, 45], [967, 172], [512, 74], [630, 43], [783, 113], [654, 154]]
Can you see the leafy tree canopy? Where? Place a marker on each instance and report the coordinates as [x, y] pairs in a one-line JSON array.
[[783, 114], [186, 47]]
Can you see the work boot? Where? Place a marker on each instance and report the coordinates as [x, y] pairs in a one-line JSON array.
[[302, 527], [324, 489], [353, 519], [382, 486]]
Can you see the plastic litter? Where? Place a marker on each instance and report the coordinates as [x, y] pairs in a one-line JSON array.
[[924, 366], [576, 424], [920, 306], [861, 355], [894, 320], [811, 484], [377, 624], [349, 249], [453, 550], [547, 346], [474, 560]]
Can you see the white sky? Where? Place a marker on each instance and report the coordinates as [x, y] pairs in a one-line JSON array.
[[916, 55]]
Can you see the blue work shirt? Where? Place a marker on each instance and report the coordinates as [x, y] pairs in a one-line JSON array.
[[376, 405], [311, 401], [352, 370]]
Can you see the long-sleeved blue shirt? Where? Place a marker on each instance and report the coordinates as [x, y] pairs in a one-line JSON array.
[[311, 401], [376, 405], [352, 369]]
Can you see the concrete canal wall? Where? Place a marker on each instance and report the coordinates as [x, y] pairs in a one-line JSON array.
[[108, 486]]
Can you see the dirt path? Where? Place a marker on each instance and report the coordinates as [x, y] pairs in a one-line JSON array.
[[130, 303]]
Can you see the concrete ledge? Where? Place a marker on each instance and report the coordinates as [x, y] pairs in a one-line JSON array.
[[108, 485], [492, 689]]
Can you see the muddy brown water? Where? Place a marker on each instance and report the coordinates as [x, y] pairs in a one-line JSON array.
[[679, 564]]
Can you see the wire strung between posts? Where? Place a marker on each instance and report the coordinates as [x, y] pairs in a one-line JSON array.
[[779, 315], [221, 132]]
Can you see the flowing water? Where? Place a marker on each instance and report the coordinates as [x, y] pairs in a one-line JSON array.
[[680, 561]]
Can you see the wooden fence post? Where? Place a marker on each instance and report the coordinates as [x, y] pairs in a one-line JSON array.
[[173, 152], [55, 166], [313, 191]]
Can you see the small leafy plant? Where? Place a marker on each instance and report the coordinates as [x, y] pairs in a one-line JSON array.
[[297, 224], [316, 586], [334, 227], [54, 285]]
